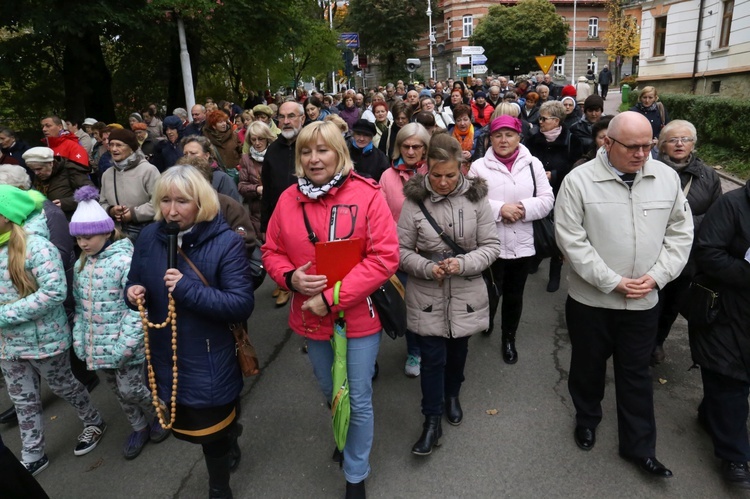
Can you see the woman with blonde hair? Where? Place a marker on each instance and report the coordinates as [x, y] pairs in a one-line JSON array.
[[258, 138], [34, 330], [305, 214], [649, 106], [206, 393]]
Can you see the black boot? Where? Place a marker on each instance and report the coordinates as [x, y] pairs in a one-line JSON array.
[[431, 433], [355, 490], [453, 411], [555, 267], [510, 356], [235, 452], [218, 476], [9, 416]]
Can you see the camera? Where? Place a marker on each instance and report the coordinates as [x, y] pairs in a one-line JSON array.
[[412, 64]]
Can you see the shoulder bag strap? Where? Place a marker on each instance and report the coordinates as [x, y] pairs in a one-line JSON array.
[[533, 177], [458, 250], [192, 266], [687, 186], [310, 232]]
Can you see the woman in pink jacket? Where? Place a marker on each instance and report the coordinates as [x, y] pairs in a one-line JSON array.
[[331, 202], [409, 155], [510, 171]]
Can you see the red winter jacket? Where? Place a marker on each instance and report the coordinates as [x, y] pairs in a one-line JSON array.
[[482, 116], [67, 146], [287, 247]]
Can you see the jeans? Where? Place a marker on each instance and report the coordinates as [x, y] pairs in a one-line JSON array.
[[360, 362], [443, 361], [724, 409], [628, 336]]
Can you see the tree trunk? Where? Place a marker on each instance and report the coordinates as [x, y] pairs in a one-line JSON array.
[[87, 80]]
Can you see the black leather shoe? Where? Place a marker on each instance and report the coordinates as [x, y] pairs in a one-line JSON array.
[[9, 416], [652, 466], [736, 474], [431, 433], [355, 490], [585, 437], [508, 346], [453, 411]]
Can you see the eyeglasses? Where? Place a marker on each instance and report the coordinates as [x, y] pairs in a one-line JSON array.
[[416, 147], [290, 117], [632, 149], [684, 140], [542, 119]]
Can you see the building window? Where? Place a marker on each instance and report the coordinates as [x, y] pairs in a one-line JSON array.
[[592, 64], [593, 27], [559, 66], [660, 35], [468, 26], [433, 34], [447, 30], [726, 22]]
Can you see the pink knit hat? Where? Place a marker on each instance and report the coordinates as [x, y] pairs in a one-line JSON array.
[[505, 121]]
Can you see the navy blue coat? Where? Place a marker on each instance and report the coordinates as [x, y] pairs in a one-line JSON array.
[[166, 154], [209, 374]]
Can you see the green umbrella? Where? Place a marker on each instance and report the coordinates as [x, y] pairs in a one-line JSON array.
[[340, 408]]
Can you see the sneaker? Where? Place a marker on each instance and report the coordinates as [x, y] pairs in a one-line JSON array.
[[90, 437], [136, 441], [411, 369], [157, 433], [37, 466]]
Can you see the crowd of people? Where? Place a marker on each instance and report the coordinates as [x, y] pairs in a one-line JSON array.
[[442, 184]]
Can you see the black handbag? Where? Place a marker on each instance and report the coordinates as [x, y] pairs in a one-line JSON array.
[[701, 306], [487, 275], [545, 245], [389, 302], [257, 270]]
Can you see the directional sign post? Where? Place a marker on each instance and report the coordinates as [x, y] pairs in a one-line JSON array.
[[479, 59], [463, 61], [472, 50], [479, 69]]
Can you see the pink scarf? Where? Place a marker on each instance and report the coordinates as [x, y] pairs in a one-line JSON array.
[[553, 134], [508, 162]]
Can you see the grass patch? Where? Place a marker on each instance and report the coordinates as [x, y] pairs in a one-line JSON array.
[[730, 160]]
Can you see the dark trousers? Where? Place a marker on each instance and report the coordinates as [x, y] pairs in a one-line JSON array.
[[510, 278], [725, 409], [671, 297], [605, 89], [628, 336], [442, 370], [15, 481]]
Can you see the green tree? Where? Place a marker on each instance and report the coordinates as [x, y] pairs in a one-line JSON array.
[[389, 30], [513, 36], [623, 36]]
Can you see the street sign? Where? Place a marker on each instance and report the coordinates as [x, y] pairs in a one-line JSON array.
[[472, 50], [545, 62], [463, 61], [350, 40], [479, 59], [480, 69], [463, 72]]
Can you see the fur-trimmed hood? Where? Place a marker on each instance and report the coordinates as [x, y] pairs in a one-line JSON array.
[[418, 188]]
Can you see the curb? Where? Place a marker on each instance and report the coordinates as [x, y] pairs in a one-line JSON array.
[[729, 178]]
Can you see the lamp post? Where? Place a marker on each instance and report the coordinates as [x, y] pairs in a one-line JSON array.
[[575, 20], [429, 37], [330, 18]]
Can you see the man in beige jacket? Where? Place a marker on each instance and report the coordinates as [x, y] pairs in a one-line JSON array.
[[625, 226]]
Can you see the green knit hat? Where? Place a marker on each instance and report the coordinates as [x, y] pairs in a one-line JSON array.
[[16, 205]]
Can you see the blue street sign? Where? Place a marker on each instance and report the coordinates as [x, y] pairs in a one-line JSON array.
[[351, 40], [479, 59]]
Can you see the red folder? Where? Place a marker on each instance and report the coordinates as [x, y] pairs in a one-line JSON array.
[[335, 259]]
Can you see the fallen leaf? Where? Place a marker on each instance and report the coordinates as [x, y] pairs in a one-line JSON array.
[[491, 412], [662, 381], [95, 465], [53, 418]]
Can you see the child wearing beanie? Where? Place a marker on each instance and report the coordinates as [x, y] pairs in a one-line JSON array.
[[34, 330], [107, 335]]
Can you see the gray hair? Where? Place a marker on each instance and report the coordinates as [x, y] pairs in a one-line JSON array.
[[671, 126], [181, 112], [16, 176], [410, 130], [555, 109], [540, 86]]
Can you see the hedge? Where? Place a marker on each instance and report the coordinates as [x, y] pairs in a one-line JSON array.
[[718, 120]]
